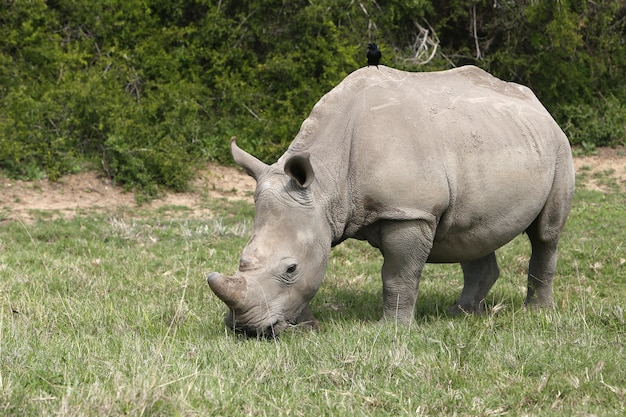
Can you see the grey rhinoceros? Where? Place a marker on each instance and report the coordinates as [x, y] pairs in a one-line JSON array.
[[428, 167]]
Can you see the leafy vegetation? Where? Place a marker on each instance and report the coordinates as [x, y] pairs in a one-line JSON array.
[[144, 89], [109, 314]]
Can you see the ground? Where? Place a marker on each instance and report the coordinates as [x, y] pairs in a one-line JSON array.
[[24, 200], [72, 194]]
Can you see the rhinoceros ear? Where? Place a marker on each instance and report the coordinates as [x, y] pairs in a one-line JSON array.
[[299, 168], [253, 166]]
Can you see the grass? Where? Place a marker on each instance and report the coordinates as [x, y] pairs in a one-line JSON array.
[[110, 314]]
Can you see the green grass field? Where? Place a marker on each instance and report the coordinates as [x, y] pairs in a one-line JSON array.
[[110, 315]]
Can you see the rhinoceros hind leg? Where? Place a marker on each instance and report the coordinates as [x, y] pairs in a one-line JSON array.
[[478, 278], [541, 271], [544, 234]]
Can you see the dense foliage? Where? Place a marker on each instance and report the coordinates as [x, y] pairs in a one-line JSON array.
[[147, 88]]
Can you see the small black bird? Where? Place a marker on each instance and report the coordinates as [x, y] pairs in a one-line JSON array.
[[373, 55]]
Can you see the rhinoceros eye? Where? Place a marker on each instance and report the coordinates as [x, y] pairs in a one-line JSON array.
[[288, 272]]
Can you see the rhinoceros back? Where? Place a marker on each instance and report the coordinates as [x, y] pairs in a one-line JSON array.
[[477, 153]]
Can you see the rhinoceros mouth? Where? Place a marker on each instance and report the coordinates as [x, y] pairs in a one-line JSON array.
[[269, 332], [258, 331]]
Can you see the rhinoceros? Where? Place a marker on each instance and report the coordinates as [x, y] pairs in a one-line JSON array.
[[438, 167]]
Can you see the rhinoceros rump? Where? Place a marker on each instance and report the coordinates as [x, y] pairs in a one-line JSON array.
[[428, 167]]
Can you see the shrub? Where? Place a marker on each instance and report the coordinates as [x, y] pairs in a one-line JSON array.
[[146, 89], [602, 123]]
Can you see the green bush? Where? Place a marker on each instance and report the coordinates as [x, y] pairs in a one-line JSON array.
[[602, 123], [147, 89]]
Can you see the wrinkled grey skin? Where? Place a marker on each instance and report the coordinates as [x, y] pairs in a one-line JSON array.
[[428, 167]]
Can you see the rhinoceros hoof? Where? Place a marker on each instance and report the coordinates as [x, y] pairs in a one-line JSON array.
[[536, 304], [458, 310]]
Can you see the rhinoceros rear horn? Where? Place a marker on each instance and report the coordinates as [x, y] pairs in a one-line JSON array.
[[231, 290], [252, 165], [299, 168]]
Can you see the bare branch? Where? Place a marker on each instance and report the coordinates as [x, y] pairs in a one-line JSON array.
[[475, 32], [425, 46], [256, 116]]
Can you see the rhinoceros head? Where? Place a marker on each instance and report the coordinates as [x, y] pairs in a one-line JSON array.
[[282, 266]]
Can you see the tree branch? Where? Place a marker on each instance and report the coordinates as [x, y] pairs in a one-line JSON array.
[[425, 46]]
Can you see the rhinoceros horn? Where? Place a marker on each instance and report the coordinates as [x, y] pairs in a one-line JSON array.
[[231, 290], [252, 165]]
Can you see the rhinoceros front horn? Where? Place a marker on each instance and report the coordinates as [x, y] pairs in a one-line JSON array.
[[230, 290], [252, 165]]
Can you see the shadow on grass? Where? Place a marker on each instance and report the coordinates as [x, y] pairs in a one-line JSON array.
[[343, 305]]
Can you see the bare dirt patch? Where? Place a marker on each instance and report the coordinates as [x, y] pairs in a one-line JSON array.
[[604, 171], [25, 200]]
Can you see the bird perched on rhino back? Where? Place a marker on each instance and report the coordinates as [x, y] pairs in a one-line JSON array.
[[373, 54]]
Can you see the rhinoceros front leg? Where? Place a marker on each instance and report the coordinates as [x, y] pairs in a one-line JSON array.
[[478, 278], [405, 246]]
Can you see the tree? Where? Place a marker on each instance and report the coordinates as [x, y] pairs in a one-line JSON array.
[[145, 89]]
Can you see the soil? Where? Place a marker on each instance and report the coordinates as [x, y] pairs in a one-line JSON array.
[[90, 191], [26, 200], [596, 171]]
